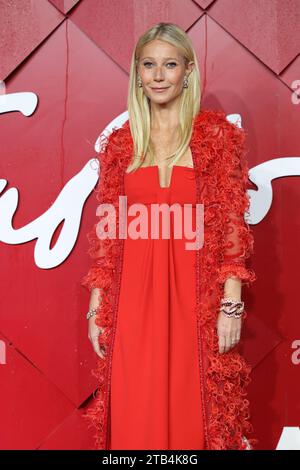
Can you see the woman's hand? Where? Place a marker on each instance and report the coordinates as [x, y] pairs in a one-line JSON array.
[[93, 333], [229, 329], [229, 332]]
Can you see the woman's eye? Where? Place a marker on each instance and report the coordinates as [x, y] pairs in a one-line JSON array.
[[150, 63]]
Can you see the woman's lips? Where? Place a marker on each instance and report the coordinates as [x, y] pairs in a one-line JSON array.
[[160, 90]]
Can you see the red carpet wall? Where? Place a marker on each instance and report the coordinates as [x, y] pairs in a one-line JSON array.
[[64, 74]]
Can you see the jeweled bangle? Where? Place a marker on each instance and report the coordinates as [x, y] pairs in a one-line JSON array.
[[91, 312], [232, 308]]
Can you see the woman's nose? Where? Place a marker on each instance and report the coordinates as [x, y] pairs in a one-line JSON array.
[[158, 73]]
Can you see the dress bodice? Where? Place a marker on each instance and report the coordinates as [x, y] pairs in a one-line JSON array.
[[142, 186]]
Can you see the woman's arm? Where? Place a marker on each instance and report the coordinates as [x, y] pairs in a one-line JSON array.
[[97, 251], [233, 271], [233, 288], [238, 237], [93, 329], [95, 298]]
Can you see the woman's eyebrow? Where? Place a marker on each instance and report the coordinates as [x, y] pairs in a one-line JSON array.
[[167, 58]]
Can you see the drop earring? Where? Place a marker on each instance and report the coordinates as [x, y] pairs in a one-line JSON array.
[[139, 81], [185, 82]]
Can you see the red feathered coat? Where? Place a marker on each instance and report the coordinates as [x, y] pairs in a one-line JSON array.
[[221, 173]]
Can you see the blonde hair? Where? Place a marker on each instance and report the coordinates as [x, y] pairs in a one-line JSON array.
[[138, 103]]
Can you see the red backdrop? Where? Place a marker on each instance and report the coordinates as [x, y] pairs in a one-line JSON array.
[[67, 63]]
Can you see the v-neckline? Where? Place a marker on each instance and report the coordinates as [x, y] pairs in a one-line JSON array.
[[171, 175], [164, 188]]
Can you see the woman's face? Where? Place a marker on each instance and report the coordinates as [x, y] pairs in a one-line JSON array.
[[161, 66]]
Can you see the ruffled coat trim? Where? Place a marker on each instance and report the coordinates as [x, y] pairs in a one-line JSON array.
[[221, 173]]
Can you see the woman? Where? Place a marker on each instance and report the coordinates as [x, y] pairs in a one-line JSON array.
[[169, 373]]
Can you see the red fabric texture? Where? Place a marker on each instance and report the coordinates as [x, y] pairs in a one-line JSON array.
[[155, 387], [221, 174]]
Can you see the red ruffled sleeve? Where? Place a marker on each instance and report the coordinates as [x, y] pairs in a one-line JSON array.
[[238, 237], [97, 247]]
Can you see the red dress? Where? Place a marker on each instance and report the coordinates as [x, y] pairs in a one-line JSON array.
[[155, 382]]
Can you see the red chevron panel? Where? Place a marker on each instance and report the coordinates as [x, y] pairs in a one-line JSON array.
[[72, 57], [24, 26], [269, 28]]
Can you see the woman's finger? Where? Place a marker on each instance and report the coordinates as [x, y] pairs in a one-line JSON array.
[[234, 341], [96, 346], [228, 342], [222, 343]]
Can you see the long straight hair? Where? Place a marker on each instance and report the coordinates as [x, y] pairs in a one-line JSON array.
[[138, 103]]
